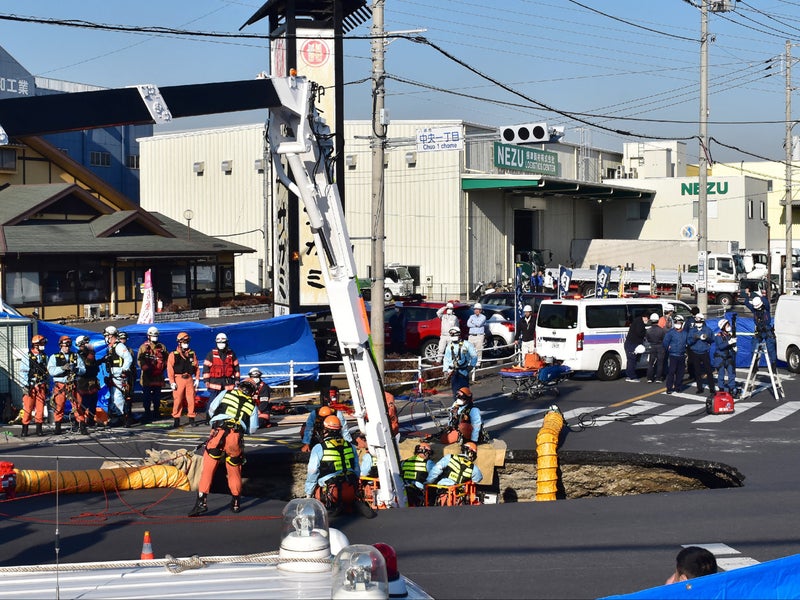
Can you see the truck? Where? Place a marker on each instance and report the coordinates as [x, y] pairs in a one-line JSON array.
[[758, 263], [640, 254], [397, 283]]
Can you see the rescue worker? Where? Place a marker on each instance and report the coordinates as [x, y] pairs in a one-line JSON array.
[[33, 372], [262, 396], [64, 366], [333, 471], [313, 428], [152, 360], [232, 414], [466, 418], [654, 340], [368, 462], [415, 471], [454, 469], [183, 372], [449, 320], [675, 346], [762, 322], [699, 339], [460, 358], [725, 358], [131, 377], [477, 332], [118, 364], [88, 385], [526, 332], [221, 367]]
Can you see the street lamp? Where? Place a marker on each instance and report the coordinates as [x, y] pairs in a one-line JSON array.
[[188, 214]]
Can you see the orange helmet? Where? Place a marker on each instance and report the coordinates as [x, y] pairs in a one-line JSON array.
[[470, 449], [183, 337], [64, 339], [325, 411], [333, 423], [38, 339], [463, 396]]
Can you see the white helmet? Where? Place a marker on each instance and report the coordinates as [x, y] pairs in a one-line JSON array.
[[477, 306], [81, 339], [455, 331], [222, 338], [669, 308], [449, 305], [654, 318], [722, 323], [110, 330], [527, 308], [757, 302], [152, 331], [700, 317], [255, 373]]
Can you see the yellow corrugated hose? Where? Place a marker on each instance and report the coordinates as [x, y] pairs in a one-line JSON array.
[[547, 455], [99, 480]]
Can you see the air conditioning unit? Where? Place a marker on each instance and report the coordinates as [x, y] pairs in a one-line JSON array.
[[91, 311]]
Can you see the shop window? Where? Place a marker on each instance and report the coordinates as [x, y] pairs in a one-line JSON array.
[[100, 159], [22, 287], [178, 276], [58, 287], [205, 278], [8, 159]]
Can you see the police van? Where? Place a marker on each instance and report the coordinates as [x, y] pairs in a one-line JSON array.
[[588, 334]]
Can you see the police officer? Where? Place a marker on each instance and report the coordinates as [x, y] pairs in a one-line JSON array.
[[118, 364], [64, 366], [654, 338], [762, 320], [33, 372], [466, 417], [725, 358], [699, 339], [460, 357], [232, 414], [88, 384], [152, 359], [675, 346], [334, 457], [415, 471], [221, 366], [454, 469], [183, 371]]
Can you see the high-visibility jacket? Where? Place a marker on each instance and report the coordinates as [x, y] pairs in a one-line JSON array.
[[415, 469], [459, 469], [337, 455], [234, 410]]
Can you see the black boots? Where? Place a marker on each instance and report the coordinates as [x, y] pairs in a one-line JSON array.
[[176, 423], [235, 505], [39, 430], [82, 428], [24, 431], [200, 506], [191, 422], [58, 428]]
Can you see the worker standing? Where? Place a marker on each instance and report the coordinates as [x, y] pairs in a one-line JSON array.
[[449, 320], [33, 372], [477, 330], [64, 367], [118, 364], [221, 366], [152, 359], [183, 372]]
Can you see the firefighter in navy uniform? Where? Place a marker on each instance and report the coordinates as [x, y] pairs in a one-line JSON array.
[[34, 373], [725, 358], [64, 366], [221, 367], [88, 384], [415, 471], [232, 414], [131, 378]]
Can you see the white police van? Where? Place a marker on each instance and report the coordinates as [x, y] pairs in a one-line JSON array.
[[588, 334]]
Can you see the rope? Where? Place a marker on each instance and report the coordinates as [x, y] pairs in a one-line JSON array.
[[173, 565]]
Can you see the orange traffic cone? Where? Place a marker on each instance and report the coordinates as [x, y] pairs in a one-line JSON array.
[[147, 548]]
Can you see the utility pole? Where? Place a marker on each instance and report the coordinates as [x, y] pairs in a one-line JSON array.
[[787, 199], [702, 204], [378, 143]]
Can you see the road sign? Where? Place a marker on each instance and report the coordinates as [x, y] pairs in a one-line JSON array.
[[433, 139]]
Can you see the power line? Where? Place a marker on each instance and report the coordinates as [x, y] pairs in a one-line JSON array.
[[632, 24]]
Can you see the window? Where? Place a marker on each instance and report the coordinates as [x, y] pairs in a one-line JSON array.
[[637, 211], [132, 161], [762, 210], [92, 284], [8, 159], [178, 276], [614, 315], [100, 159], [749, 209], [58, 287], [205, 278], [22, 287], [725, 265], [559, 316]]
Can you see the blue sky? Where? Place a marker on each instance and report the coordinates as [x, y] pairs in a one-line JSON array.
[[638, 60]]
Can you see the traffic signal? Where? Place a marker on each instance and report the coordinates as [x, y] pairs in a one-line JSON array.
[[528, 133]]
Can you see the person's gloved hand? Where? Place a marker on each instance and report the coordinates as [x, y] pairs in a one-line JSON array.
[[173, 385], [732, 341], [639, 349]]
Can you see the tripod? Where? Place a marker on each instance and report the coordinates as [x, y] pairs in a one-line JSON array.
[[777, 388]]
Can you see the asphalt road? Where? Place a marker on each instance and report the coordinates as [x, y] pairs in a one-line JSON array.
[[565, 549]]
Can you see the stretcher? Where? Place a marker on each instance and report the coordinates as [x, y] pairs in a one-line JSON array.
[[533, 382]]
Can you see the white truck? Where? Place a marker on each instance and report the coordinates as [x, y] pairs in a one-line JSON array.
[[397, 283]]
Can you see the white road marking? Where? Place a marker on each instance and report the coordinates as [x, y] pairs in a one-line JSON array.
[[515, 416], [781, 412], [567, 416], [722, 552], [716, 548], [740, 408], [636, 408], [676, 412], [688, 396]]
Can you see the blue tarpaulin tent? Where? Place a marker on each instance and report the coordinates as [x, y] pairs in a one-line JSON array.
[[257, 344]]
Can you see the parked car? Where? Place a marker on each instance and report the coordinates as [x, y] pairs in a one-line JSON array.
[[500, 330]]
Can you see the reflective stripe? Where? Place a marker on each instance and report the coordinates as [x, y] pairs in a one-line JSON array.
[[337, 455], [415, 469], [236, 405], [459, 469]]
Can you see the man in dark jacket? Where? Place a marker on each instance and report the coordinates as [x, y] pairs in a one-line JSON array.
[[654, 342], [634, 345]]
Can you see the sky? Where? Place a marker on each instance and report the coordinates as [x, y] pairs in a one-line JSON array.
[[610, 72]]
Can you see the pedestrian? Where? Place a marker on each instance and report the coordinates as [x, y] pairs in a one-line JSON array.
[[118, 365], [700, 339], [33, 372], [725, 358], [654, 342], [183, 372], [152, 359], [232, 413], [762, 320], [460, 358], [675, 346], [549, 283], [448, 321], [88, 384], [537, 284], [64, 367], [692, 562], [221, 366], [634, 345], [526, 333], [477, 330]]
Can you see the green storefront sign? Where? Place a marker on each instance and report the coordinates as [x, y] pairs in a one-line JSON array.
[[522, 158]]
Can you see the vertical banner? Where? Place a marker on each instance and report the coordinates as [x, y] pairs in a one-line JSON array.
[[653, 281], [518, 301], [601, 283], [564, 279], [621, 288], [678, 286], [146, 313]]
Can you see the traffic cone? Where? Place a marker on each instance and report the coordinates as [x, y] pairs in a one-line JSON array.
[[147, 548]]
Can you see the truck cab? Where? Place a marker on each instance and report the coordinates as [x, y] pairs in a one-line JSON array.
[[397, 283]]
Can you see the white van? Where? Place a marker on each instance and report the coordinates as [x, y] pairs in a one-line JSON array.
[[588, 334], [787, 331]]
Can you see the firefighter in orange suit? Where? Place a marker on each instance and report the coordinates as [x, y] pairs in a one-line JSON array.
[[33, 373], [64, 366], [232, 414], [183, 371], [221, 367]]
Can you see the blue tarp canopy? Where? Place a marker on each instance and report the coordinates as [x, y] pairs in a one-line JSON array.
[[745, 326], [774, 579], [265, 344]]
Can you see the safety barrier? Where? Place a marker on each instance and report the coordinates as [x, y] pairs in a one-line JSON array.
[[547, 455], [451, 495]]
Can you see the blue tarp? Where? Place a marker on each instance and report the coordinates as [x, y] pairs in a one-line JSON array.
[[256, 343], [774, 579], [745, 326]]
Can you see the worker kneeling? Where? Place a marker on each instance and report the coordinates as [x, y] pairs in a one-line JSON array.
[[232, 414], [333, 472], [455, 469], [415, 471]]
